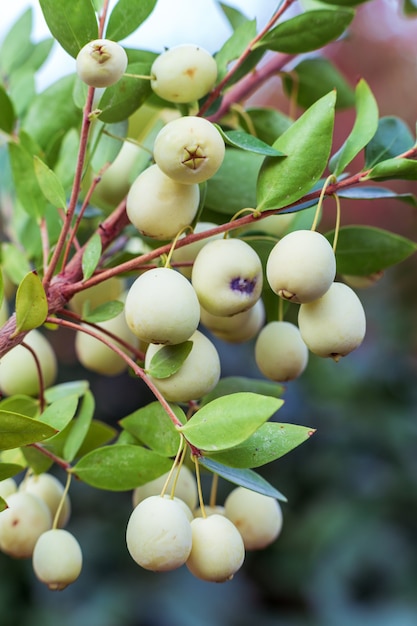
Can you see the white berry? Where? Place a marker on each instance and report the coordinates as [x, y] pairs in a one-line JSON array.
[[185, 487], [227, 276], [158, 534], [198, 375], [257, 517], [57, 559], [301, 266], [188, 253], [189, 149], [183, 73], [280, 352], [235, 328], [335, 324], [101, 63], [49, 489], [158, 206], [22, 523], [217, 550], [162, 307]]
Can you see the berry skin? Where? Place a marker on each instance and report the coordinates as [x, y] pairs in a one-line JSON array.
[[49, 489], [101, 63], [189, 149], [22, 523], [217, 551], [335, 324], [280, 352], [162, 307], [57, 559], [301, 266], [188, 253], [18, 371], [257, 517], [227, 276], [158, 534], [183, 73], [185, 488], [7, 487], [158, 206], [198, 375]]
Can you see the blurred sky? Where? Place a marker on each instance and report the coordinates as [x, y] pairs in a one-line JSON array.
[[172, 22]]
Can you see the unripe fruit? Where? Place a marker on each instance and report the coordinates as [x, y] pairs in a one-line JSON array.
[[22, 523], [97, 295], [217, 549], [185, 488], [160, 207], [57, 559], [158, 534], [217, 509], [18, 371], [257, 517], [183, 73], [49, 489], [101, 63], [189, 149], [227, 276], [335, 324], [162, 307], [236, 328], [95, 356], [280, 352], [7, 487], [301, 266], [198, 375], [188, 253]]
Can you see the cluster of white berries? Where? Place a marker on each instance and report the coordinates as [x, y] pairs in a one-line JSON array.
[[28, 528], [165, 532]]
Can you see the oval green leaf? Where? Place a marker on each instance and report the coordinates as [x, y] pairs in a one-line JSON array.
[[122, 99], [31, 303], [60, 413], [91, 256], [8, 470], [152, 426], [392, 138], [73, 24], [242, 477], [18, 430], [169, 359], [127, 16], [120, 467], [307, 143], [7, 113], [227, 421], [245, 141], [49, 183], [403, 169], [79, 427]]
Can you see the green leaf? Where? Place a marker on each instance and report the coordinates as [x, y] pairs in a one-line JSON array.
[[16, 46], [3, 504], [392, 138], [364, 250], [103, 312], [242, 477], [127, 16], [8, 470], [99, 434], [22, 91], [245, 141], [64, 390], [14, 262], [36, 460], [49, 183], [364, 128], [31, 303], [120, 467], [376, 193], [233, 185], [60, 413], [404, 169], [26, 183], [152, 426], [106, 146], [169, 359], [25, 405], [234, 16], [73, 24], [7, 113], [53, 113], [234, 384], [227, 421], [311, 79], [124, 97], [91, 256], [269, 124], [79, 427], [307, 31], [271, 441], [307, 143], [234, 46], [18, 430]]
